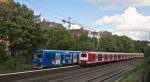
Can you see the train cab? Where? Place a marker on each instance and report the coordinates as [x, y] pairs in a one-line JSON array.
[[53, 58], [83, 58], [47, 58]]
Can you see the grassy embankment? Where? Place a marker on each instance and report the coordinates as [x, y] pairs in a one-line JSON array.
[[144, 69], [14, 65], [133, 75]]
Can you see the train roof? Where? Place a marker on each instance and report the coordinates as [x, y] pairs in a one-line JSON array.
[[57, 51], [74, 51], [111, 52], [49, 51]]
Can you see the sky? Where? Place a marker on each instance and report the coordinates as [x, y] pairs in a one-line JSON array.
[[121, 17]]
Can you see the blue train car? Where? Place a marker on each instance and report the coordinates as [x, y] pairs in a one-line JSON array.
[[50, 58], [75, 56]]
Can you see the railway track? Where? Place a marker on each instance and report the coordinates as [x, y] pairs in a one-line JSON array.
[[10, 77], [81, 74], [65, 75], [77, 74], [108, 75], [91, 76]]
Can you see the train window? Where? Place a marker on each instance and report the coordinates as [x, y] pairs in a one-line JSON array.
[[96, 56], [62, 57], [74, 56], [83, 55], [39, 55], [57, 56], [67, 56], [52, 57]]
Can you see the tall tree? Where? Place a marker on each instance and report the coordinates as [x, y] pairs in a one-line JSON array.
[[22, 27]]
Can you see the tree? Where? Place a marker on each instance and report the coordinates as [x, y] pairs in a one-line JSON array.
[[59, 38], [114, 43], [147, 64], [85, 43], [140, 46], [21, 26]]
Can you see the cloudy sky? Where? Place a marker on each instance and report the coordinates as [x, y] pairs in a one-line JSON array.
[[122, 17]]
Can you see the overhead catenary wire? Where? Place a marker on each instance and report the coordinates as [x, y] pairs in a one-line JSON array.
[[81, 24]]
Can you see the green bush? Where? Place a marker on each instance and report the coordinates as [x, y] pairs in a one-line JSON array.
[[13, 64], [147, 64], [10, 64]]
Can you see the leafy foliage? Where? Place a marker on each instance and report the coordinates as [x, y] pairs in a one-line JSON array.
[[147, 64], [114, 43], [22, 27]]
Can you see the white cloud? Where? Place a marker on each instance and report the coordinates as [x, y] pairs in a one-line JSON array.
[[136, 35], [118, 3], [129, 21]]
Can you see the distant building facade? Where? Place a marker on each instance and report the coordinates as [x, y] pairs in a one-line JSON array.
[[105, 33], [94, 34], [47, 23], [79, 32], [5, 1]]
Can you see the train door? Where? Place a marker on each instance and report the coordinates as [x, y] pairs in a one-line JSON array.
[[47, 59], [110, 57], [122, 56], [119, 56], [125, 56], [75, 58], [58, 58], [100, 57], [96, 57], [105, 57], [71, 58], [67, 58], [52, 58], [115, 57], [62, 61]]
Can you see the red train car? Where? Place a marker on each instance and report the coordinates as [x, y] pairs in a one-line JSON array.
[[96, 57]]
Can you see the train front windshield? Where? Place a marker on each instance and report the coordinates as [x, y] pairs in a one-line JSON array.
[[38, 55], [83, 55]]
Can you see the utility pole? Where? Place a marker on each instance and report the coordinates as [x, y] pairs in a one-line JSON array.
[[69, 22]]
